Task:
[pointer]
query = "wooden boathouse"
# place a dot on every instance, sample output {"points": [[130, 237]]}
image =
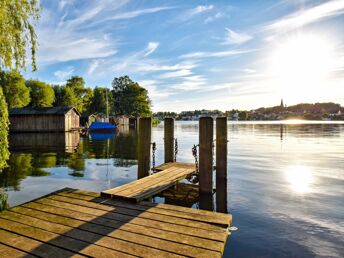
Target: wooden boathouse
{"points": [[55, 119]]}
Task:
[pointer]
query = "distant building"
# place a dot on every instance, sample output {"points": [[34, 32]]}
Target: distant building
{"points": [[55, 119], [282, 104]]}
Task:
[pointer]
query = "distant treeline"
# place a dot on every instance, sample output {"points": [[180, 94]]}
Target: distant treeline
{"points": [[315, 111], [125, 98]]}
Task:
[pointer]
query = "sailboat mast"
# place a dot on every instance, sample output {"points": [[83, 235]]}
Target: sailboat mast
{"points": [[107, 104]]}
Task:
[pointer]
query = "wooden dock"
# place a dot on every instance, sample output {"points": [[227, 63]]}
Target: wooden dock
{"points": [[170, 173], [75, 223]]}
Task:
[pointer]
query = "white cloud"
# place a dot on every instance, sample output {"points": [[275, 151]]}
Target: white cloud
{"points": [[235, 38], [191, 83], [193, 12], [93, 66], [64, 74], [215, 54], [152, 46], [178, 73], [214, 17], [133, 14], [62, 38], [311, 15]]}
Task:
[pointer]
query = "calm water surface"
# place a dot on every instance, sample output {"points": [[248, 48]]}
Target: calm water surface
{"points": [[285, 182]]}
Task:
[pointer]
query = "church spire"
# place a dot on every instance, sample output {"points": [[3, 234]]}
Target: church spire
{"points": [[282, 105]]}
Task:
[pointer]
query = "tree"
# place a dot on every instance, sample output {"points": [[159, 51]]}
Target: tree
{"points": [[17, 32], [16, 93], [4, 154], [98, 104], [78, 95], [42, 95], [16, 35], [129, 98]]}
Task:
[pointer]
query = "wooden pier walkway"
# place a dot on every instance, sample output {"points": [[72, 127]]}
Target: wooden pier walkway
{"points": [[75, 223], [170, 173]]}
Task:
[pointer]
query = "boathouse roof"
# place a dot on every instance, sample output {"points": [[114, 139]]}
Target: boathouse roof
{"points": [[41, 111]]}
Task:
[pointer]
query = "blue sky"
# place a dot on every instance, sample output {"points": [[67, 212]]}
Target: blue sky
{"points": [[198, 54]]}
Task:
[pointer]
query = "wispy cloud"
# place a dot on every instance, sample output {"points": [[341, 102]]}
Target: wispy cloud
{"points": [[152, 46], [179, 73], [215, 54], [71, 36], [187, 15], [218, 15], [94, 65], [235, 38], [311, 15], [64, 74]]}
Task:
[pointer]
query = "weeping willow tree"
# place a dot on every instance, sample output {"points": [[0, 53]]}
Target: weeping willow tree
{"points": [[17, 35]]}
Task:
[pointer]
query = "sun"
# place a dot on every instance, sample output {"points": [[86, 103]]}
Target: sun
{"points": [[301, 63]]}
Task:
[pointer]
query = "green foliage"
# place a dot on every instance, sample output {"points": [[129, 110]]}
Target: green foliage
{"points": [[129, 98], [4, 122], [98, 103], [3, 201], [42, 95], [16, 93], [155, 121], [17, 32], [73, 94]]}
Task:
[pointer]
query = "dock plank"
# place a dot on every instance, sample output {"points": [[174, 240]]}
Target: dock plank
{"points": [[93, 226], [196, 215], [148, 186], [75, 223]]}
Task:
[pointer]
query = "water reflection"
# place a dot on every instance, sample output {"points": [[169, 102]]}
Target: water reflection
{"points": [[43, 154], [300, 178]]}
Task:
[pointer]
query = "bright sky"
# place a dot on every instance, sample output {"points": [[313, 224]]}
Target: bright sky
{"points": [[199, 54]]}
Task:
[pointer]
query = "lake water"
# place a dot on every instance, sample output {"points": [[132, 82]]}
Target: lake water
{"points": [[285, 181]]}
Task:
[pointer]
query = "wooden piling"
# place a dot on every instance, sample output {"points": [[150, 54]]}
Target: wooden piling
{"points": [[144, 146], [206, 130], [169, 139], [221, 164]]}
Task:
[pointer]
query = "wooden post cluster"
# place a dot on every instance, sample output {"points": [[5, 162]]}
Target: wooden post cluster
{"points": [[221, 164], [144, 146], [169, 139], [206, 130]]}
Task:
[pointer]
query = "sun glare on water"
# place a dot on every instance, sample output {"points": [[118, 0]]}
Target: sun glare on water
{"points": [[301, 65], [300, 178]]}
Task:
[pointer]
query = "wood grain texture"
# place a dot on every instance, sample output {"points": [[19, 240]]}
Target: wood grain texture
{"points": [[76, 223]]}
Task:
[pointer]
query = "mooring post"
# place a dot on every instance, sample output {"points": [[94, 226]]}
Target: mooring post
{"points": [[221, 164], [169, 139], [206, 130], [144, 146]]}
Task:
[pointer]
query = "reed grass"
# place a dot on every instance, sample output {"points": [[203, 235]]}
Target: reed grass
{"points": [[3, 201]]}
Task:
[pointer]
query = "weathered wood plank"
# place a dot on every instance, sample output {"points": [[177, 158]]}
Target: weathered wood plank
{"points": [[146, 187], [209, 217], [225, 218], [65, 242], [115, 243], [175, 164], [122, 213], [34, 247], [109, 192], [117, 240], [121, 220], [6, 251], [99, 227]]}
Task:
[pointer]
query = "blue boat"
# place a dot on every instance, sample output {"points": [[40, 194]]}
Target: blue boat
{"points": [[102, 127]]}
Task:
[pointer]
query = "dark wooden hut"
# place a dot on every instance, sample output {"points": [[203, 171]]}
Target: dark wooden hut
{"points": [[55, 119]]}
